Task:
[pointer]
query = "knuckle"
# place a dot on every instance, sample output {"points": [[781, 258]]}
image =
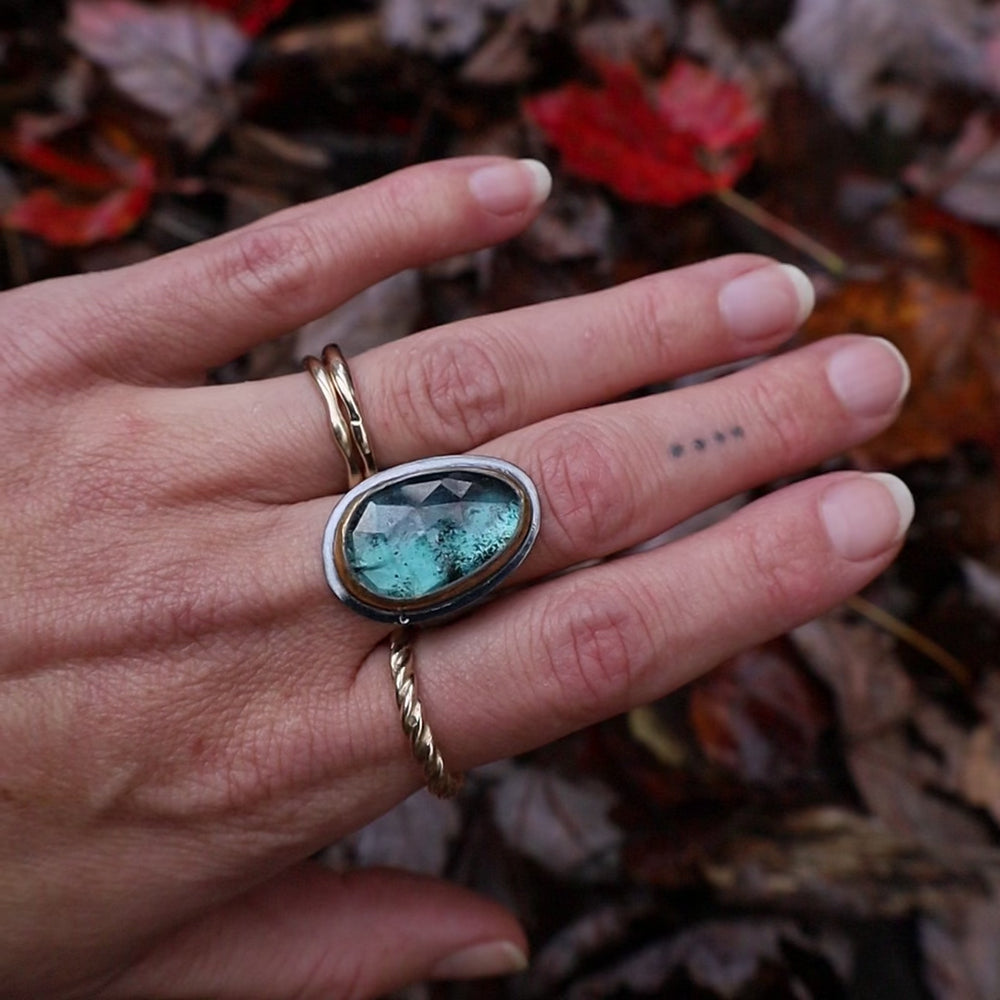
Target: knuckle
{"points": [[781, 408], [647, 315], [585, 486], [270, 265], [462, 385], [398, 211], [594, 644], [782, 566]]}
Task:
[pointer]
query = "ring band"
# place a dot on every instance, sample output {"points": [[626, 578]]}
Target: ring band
{"points": [[440, 781], [333, 378]]}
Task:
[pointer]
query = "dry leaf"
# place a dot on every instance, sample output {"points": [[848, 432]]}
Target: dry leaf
{"points": [[952, 345], [882, 57], [561, 824], [174, 59], [759, 715]]}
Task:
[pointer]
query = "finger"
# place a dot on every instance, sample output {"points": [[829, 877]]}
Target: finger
{"points": [[452, 389], [617, 475], [314, 933], [173, 317], [563, 654]]}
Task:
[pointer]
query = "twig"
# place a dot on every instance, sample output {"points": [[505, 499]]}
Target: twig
{"points": [[785, 231], [951, 665]]}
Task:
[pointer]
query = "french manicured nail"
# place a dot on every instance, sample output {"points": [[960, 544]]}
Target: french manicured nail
{"points": [[866, 515], [494, 958], [870, 377], [511, 187], [762, 303]]}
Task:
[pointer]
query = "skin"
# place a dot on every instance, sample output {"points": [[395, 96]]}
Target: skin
{"points": [[186, 713]]}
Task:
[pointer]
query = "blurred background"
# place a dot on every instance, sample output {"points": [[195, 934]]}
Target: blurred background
{"points": [[819, 817]]}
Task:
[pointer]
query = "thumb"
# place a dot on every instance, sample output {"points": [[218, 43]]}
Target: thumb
{"points": [[315, 933]]}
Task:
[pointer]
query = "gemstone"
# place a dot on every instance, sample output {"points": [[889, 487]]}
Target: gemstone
{"points": [[409, 539]]}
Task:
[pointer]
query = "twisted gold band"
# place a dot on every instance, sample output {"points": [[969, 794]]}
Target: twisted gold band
{"points": [[333, 378], [439, 781]]}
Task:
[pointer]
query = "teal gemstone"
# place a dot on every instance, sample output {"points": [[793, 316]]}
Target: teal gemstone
{"points": [[409, 539]]}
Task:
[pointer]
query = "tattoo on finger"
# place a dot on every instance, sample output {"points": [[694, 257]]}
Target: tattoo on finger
{"points": [[699, 444]]}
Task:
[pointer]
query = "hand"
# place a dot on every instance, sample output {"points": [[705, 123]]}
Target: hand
{"points": [[187, 713]]}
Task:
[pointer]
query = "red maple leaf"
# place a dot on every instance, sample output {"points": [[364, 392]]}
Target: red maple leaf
{"points": [[253, 16], [690, 134], [64, 216]]}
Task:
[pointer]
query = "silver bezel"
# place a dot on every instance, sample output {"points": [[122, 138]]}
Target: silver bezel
{"points": [[459, 597]]}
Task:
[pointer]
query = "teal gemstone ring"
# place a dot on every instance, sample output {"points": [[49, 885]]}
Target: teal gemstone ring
{"points": [[427, 540], [417, 543]]}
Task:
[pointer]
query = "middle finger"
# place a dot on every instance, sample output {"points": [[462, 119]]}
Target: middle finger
{"points": [[453, 389]]}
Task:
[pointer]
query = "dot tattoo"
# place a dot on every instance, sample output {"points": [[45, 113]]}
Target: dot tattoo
{"points": [[699, 444]]}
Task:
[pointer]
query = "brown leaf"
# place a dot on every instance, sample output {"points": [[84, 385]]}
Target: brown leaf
{"points": [[727, 959], [759, 715], [961, 958], [829, 861], [872, 690], [952, 344], [561, 824]]}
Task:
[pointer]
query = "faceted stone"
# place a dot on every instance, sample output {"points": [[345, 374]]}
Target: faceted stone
{"points": [[409, 539]]}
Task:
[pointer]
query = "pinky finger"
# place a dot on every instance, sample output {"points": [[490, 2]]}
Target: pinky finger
{"points": [[583, 647]]}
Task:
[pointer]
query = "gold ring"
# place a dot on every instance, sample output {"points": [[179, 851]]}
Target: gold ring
{"points": [[417, 543], [333, 379]]}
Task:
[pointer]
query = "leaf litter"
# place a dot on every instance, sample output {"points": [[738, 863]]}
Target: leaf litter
{"points": [[820, 817]]}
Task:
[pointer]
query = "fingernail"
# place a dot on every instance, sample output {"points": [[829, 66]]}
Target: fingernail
{"points": [[866, 515], [511, 187], [870, 377], [494, 958], [765, 302]]}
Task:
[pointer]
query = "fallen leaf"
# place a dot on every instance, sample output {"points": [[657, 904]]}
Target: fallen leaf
{"points": [[46, 214], [959, 947], [691, 134], [415, 836], [759, 715], [979, 245], [176, 60], [563, 825], [952, 344], [727, 959], [63, 218], [883, 57], [871, 688], [831, 862], [575, 945], [439, 27], [253, 16]]}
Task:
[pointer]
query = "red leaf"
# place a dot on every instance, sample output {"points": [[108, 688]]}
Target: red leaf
{"points": [[48, 214], [253, 16], [694, 136], [47, 160]]}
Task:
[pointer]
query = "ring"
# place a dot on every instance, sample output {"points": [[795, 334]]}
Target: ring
{"points": [[418, 543]]}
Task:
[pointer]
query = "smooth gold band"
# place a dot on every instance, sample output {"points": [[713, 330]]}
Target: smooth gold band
{"points": [[333, 378]]}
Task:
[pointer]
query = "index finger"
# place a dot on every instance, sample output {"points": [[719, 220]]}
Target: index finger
{"points": [[171, 318]]}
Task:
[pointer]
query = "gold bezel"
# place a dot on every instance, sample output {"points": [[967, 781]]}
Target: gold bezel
{"points": [[453, 593]]}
